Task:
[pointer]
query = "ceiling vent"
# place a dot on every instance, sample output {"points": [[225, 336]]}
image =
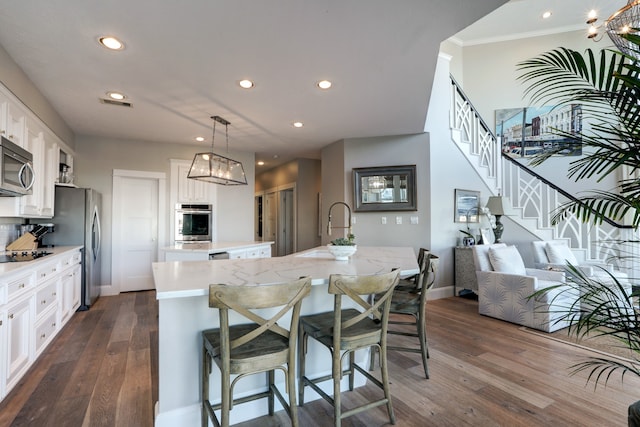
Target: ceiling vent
{"points": [[117, 103]]}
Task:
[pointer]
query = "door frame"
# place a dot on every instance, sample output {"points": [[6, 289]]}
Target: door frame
{"points": [[161, 179]]}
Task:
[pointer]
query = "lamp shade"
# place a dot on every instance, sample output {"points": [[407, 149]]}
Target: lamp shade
{"points": [[212, 167], [499, 205]]}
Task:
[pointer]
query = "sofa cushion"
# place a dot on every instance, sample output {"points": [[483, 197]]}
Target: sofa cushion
{"points": [[559, 253], [507, 259]]}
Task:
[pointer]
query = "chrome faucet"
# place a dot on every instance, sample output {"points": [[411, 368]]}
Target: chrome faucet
{"points": [[329, 224]]}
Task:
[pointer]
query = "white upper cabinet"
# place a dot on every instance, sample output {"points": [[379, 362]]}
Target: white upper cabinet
{"points": [[24, 128], [189, 190]]}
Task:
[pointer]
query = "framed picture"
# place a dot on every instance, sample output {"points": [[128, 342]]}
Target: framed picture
{"points": [[486, 233], [466, 205], [387, 188], [554, 129]]}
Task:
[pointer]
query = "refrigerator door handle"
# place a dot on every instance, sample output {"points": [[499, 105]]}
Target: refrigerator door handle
{"points": [[96, 234]]}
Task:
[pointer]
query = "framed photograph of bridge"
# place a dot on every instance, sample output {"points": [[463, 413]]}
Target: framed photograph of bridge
{"points": [[528, 131]]}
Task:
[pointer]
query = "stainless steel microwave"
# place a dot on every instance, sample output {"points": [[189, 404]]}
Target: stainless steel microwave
{"points": [[193, 222], [16, 169]]}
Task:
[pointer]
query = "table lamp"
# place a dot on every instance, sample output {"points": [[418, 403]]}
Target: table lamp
{"points": [[498, 206]]}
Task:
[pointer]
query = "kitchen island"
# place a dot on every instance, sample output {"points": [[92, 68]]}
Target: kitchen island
{"points": [[182, 290]]}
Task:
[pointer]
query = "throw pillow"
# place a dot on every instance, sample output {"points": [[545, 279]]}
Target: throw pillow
{"points": [[559, 253], [507, 259]]}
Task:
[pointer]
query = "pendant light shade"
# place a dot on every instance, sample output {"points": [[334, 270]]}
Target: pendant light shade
{"points": [[212, 167]]}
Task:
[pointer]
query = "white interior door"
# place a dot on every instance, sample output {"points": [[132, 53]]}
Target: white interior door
{"points": [[137, 208]]}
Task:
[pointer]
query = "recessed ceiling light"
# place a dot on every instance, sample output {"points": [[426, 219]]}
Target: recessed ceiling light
{"points": [[111, 42], [324, 84], [246, 84], [298, 124], [116, 95], [546, 14], [199, 138], [260, 163]]}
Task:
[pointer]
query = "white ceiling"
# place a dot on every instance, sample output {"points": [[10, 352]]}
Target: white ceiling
{"points": [[183, 60]]}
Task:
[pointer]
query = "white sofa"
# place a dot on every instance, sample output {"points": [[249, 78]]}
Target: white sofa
{"points": [[505, 287], [557, 254]]}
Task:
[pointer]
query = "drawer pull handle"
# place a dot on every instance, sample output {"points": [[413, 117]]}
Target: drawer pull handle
{"points": [[21, 285], [43, 336], [11, 316], [44, 301], [53, 294]]}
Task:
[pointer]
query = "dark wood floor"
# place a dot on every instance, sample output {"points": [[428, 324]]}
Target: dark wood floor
{"points": [[101, 370]]}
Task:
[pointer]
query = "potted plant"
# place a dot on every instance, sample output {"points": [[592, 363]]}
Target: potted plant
{"points": [[343, 247], [608, 88]]}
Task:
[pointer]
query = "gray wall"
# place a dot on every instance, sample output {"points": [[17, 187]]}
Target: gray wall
{"points": [[17, 81], [305, 174]]}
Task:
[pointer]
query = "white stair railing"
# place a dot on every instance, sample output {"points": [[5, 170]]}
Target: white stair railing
{"points": [[533, 197]]}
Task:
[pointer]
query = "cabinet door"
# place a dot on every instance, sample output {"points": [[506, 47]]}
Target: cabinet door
{"points": [[30, 205], [19, 327], [190, 190], [15, 123], [3, 353], [51, 168], [70, 285]]}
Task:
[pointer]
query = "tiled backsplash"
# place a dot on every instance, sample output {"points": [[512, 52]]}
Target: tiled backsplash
{"points": [[8, 233]]}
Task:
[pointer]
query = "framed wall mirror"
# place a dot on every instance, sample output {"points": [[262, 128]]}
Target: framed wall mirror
{"points": [[387, 188]]}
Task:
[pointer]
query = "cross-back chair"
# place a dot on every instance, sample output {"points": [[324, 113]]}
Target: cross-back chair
{"points": [[256, 347], [412, 301], [345, 330]]}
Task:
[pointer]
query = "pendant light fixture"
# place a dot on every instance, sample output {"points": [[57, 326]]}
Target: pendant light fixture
{"points": [[212, 167]]}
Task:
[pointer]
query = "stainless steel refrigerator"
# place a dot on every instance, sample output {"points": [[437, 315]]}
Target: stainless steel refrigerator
{"points": [[77, 222]]}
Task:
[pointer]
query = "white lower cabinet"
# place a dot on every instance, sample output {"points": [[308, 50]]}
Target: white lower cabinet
{"points": [[19, 338], [34, 305]]}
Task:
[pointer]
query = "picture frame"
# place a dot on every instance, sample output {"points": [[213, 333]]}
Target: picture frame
{"points": [[386, 188], [464, 203]]}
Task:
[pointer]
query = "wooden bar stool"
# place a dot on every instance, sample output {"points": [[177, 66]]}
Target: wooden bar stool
{"points": [[343, 331], [410, 300], [260, 346]]}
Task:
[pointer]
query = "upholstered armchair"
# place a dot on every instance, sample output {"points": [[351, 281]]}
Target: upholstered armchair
{"points": [[505, 287]]}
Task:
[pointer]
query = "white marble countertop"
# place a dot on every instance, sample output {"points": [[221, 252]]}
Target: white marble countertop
{"points": [[211, 247], [179, 279], [12, 267]]}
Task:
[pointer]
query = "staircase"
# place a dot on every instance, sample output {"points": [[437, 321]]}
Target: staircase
{"points": [[533, 198]]}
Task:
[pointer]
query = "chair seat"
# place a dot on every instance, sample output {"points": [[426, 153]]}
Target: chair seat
{"points": [[319, 326], [405, 301], [266, 351]]}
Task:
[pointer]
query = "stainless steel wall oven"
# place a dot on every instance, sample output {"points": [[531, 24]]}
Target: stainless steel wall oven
{"points": [[193, 223]]}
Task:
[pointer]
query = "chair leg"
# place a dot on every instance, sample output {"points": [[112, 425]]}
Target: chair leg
{"points": [[372, 357], [336, 374], [225, 398], [270, 381], [352, 370], [291, 381], [385, 382], [424, 350], [205, 387], [302, 350]]}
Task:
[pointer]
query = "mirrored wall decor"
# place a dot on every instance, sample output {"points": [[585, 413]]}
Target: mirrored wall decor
{"points": [[387, 188]]}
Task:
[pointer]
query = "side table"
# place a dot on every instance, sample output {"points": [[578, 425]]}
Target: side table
{"points": [[466, 283]]}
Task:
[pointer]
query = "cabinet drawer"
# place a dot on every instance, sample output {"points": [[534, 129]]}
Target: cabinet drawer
{"points": [[46, 297], [253, 253], [45, 330], [265, 252], [47, 271], [70, 261], [237, 254], [20, 285]]}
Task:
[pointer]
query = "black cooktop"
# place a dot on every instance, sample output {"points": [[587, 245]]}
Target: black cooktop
{"points": [[20, 256]]}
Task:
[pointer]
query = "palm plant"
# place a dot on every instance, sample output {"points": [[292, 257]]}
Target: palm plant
{"points": [[607, 85]]}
